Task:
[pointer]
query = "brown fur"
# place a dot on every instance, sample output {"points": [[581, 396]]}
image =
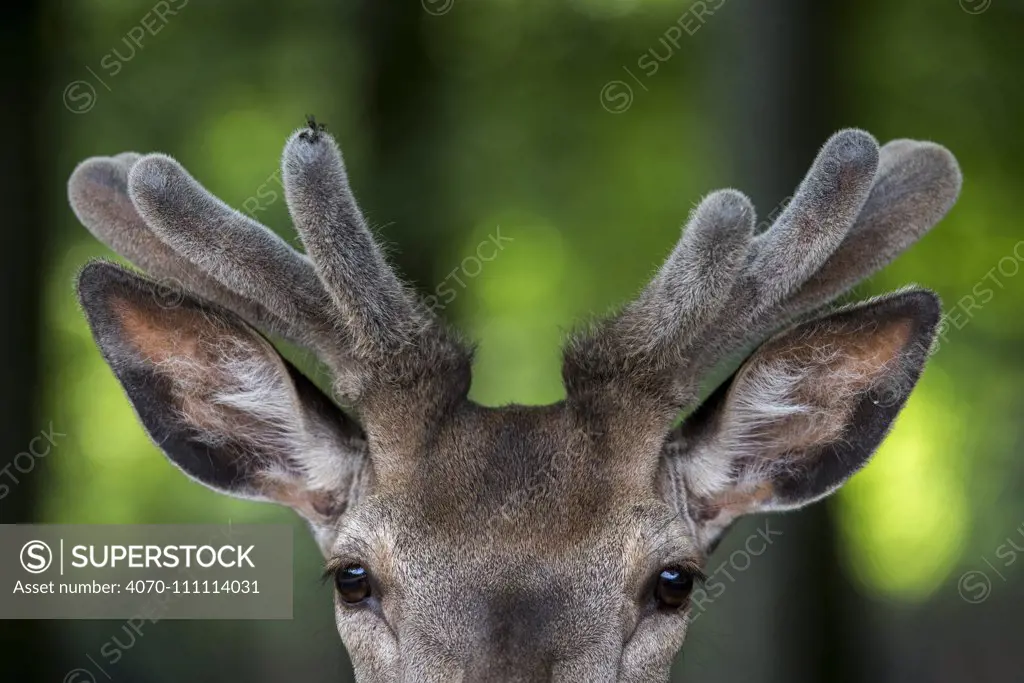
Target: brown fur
{"points": [[521, 543]]}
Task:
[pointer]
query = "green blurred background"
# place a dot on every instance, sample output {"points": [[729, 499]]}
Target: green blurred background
{"points": [[583, 130]]}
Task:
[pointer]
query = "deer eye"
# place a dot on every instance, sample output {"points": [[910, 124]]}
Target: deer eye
{"points": [[673, 587], [352, 583]]}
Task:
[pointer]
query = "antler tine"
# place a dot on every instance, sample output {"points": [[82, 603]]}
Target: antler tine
{"points": [[785, 257], [856, 210], [694, 283], [98, 193], [649, 337], [389, 328], [240, 254], [374, 304], [816, 221], [346, 303], [916, 185]]}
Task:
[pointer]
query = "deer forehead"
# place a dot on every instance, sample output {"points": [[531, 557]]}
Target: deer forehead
{"points": [[516, 467]]}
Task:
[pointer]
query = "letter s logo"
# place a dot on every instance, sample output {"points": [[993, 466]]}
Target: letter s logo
{"points": [[36, 557]]}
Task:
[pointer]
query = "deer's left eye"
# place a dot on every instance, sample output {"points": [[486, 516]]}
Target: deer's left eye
{"points": [[672, 587], [352, 583]]}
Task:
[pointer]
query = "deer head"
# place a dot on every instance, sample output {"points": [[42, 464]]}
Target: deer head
{"points": [[518, 543]]}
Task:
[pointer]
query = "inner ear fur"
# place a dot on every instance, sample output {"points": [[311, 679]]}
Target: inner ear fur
{"points": [[218, 399], [799, 390], [806, 411]]}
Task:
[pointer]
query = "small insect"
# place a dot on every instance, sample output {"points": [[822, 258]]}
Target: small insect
{"points": [[313, 134]]}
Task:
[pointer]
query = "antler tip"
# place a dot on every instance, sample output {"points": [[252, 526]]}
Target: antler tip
{"points": [[931, 166], [730, 202], [725, 211], [151, 175], [127, 159], [309, 146], [100, 170], [854, 147], [944, 163], [92, 187]]}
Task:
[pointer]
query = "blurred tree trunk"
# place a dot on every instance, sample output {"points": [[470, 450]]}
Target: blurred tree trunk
{"points": [[779, 64], [402, 100], [26, 643], [792, 109]]}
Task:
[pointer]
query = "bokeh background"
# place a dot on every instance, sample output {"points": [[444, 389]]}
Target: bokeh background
{"points": [[583, 130]]}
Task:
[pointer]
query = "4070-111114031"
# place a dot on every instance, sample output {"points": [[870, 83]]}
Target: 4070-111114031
{"points": [[194, 587]]}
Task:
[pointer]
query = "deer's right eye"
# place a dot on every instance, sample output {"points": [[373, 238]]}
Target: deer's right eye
{"points": [[673, 586], [352, 583]]}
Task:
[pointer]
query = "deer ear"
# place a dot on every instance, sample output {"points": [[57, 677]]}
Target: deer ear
{"points": [[803, 413], [217, 398]]}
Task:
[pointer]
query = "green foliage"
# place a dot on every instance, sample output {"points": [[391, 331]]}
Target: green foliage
{"points": [[514, 138]]}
